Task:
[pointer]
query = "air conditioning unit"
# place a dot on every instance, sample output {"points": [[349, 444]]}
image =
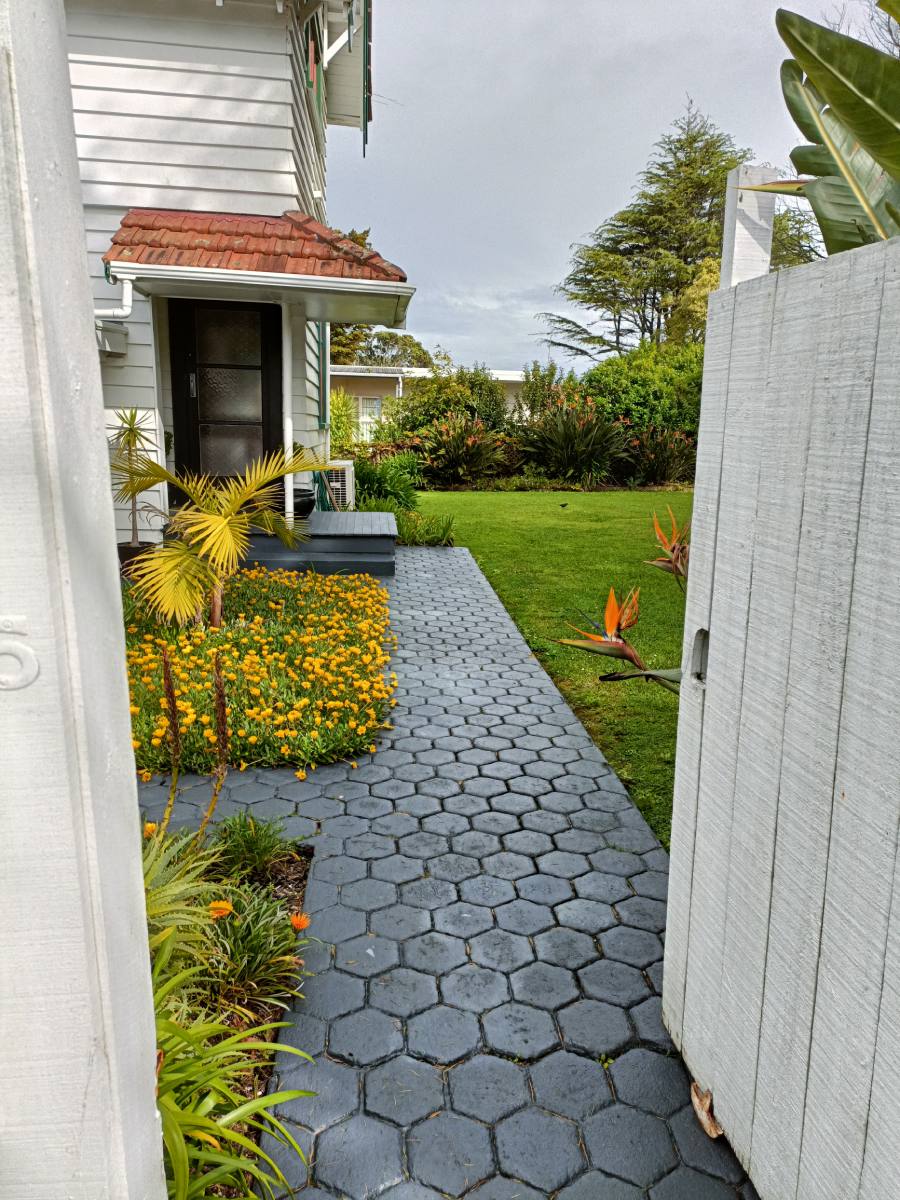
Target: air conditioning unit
{"points": [[342, 481]]}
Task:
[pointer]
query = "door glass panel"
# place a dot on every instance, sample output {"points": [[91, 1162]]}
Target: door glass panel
{"points": [[229, 394], [229, 336], [227, 449]]}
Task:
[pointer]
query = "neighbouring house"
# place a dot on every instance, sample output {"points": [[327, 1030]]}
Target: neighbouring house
{"points": [[372, 386], [201, 131]]}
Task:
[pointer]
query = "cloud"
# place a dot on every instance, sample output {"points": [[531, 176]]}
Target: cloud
{"points": [[505, 130]]}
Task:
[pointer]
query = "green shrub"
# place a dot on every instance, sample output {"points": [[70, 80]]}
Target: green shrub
{"points": [[469, 390], [343, 422], [460, 449], [651, 385], [542, 386], [576, 443], [408, 463], [662, 456], [414, 528], [249, 849], [385, 480], [252, 951], [528, 479], [208, 1123]]}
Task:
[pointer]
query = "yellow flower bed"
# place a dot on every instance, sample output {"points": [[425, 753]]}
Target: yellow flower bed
{"points": [[304, 659]]}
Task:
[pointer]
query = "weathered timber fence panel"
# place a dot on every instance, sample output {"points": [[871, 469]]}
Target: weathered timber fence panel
{"points": [[782, 973]]}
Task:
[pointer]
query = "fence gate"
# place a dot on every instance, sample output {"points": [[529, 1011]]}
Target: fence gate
{"points": [[782, 969]]}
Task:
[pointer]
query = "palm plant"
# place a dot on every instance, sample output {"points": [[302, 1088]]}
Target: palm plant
{"points": [[209, 535], [129, 442]]}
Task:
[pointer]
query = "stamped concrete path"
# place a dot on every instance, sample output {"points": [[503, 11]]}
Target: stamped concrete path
{"points": [[485, 1013]]}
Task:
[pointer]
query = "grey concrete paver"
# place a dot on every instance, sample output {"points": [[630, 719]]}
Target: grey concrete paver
{"points": [[484, 1017]]}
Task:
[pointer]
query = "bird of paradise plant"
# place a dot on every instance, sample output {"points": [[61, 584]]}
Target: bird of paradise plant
{"points": [[209, 535], [609, 639], [676, 549]]}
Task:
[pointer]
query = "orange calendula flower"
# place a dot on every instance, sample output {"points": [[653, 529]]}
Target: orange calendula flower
{"points": [[220, 908], [150, 827], [300, 920]]}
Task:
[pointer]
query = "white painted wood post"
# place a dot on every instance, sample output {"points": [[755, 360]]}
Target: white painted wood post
{"points": [[77, 1042], [749, 219]]}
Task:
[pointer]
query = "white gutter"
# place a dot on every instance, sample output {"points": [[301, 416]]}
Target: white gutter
{"points": [[124, 310], [217, 276], [287, 405]]}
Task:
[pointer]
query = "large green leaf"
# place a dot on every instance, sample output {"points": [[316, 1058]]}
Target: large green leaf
{"points": [[843, 223], [860, 83], [860, 211]]}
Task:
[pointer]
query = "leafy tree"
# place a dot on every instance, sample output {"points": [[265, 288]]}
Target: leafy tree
{"points": [[651, 385], [540, 387], [634, 269], [795, 237], [387, 347], [468, 391], [348, 339]]}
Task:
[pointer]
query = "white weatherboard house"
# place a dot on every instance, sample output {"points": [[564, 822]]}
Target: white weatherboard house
{"points": [[201, 131]]}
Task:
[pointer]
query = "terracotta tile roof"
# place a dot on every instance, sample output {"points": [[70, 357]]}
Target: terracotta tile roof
{"points": [[293, 243]]}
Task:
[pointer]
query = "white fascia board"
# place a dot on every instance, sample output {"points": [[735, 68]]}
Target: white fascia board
{"points": [[323, 297]]}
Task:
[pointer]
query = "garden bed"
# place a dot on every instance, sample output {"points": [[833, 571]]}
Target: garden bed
{"points": [[303, 660]]}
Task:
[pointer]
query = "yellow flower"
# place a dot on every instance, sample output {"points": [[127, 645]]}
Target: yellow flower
{"points": [[150, 827], [220, 908]]}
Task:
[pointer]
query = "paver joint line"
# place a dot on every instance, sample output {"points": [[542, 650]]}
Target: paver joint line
{"points": [[484, 1019]]}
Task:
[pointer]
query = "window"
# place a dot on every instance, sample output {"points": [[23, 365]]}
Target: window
{"points": [[369, 412]]}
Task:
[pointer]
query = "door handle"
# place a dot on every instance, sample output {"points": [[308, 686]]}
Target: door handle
{"points": [[192, 385]]}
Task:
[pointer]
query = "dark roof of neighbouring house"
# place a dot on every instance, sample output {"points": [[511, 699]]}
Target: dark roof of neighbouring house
{"points": [[293, 243]]}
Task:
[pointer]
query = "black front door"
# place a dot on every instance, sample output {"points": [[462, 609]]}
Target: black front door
{"points": [[226, 384]]}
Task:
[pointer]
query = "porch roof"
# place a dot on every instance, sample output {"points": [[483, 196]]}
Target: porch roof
{"points": [[233, 256]]}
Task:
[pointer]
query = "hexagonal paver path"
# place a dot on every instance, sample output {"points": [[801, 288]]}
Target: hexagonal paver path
{"points": [[484, 1015]]}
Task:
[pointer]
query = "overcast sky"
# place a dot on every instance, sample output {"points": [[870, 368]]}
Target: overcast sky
{"points": [[505, 130]]}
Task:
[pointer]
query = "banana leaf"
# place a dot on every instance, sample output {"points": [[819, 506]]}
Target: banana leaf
{"points": [[860, 83]]}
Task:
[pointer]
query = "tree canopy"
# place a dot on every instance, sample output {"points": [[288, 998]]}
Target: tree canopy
{"points": [[645, 273]]}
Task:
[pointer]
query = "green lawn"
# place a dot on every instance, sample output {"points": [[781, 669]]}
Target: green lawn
{"points": [[549, 554]]}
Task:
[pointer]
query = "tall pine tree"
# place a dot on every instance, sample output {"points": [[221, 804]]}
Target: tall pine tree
{"points": [[633, 272]]}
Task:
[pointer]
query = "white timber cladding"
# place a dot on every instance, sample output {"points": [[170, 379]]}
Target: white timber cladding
{"points": [[76, 1008], [189, 105], [782, 973]]}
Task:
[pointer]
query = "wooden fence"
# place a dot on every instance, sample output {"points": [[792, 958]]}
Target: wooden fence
{"points": [[782, 971]]}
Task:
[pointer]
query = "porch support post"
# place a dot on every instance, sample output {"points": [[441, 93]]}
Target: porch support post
{"points": [[77, 1055], [287, 403]]}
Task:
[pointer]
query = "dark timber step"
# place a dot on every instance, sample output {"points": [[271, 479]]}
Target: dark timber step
{"points": [[346, 542]]}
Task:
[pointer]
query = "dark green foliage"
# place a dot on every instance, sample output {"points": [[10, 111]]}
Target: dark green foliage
{"points": [[386, 480], [631, 273], [460, 449], [651, 385], [576, 442], [662, 456], [247, 848], [542, 385], [252, 951], [468, 390], [414, 528]]}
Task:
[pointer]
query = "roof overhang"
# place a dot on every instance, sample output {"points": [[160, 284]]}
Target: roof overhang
{"points": [[322, 297]]}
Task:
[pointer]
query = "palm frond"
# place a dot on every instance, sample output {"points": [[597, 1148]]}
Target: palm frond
{"points": [[222, 538], [173, 580], [273, 523]]}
